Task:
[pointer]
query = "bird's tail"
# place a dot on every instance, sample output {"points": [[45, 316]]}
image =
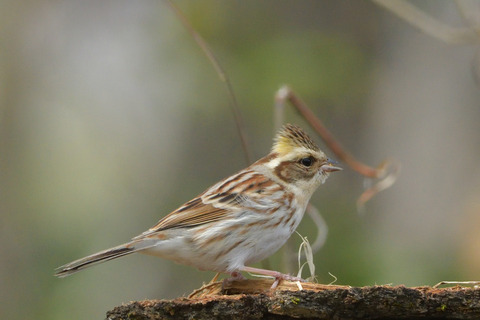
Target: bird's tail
{"points": [[102, 256]]}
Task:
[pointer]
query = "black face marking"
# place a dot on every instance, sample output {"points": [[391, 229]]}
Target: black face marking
{"points": [[304, 168]]}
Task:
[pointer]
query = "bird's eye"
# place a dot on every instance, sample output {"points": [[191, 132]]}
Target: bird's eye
{"points": [[307, 162]]}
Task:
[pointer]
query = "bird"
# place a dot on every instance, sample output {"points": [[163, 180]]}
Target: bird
{"points": [[238, 221]]}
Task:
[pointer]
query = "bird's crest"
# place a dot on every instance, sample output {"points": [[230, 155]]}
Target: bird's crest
{"points": [[290, 137]]}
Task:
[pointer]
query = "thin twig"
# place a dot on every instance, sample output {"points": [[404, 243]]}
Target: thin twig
{"points": [[321, 225], [391, 166], [428, 24], [388, 171], [470, 11], [223, 77], [331, 142], [469, 283]]}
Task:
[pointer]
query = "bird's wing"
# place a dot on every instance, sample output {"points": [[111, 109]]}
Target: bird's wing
{"points": [[247, 190]]}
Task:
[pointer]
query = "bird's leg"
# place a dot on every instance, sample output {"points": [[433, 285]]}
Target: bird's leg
{"points": [[235, 276], [277, 275]]}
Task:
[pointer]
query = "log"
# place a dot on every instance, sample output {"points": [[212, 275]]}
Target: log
{"points": [[253, 299]]}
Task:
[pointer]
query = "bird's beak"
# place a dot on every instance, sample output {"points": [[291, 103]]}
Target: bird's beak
{"points": [[330, 166]]}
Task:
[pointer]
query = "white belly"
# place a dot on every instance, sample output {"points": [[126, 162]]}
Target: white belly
{"points": [[229, 245]]}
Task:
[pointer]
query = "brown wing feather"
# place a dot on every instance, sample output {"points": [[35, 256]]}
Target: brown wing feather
{"points": [[191, 216], [245, 190], [192, 213]]}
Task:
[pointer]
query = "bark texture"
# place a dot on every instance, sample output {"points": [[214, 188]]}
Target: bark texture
{"points": [[252, 299]]}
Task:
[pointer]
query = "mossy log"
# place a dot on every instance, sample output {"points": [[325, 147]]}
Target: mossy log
{"points": [[252, 299]]}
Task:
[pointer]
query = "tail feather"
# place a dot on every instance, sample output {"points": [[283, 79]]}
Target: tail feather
{"points": [[99, 257]]}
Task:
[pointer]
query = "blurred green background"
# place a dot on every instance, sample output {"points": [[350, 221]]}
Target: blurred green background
{"points": [[111, 117]]}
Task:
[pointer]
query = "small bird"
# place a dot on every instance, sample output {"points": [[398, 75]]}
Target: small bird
{"points": [[240, 220]]}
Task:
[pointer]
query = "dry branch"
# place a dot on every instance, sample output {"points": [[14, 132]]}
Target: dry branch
{"points": [[251, 299]]}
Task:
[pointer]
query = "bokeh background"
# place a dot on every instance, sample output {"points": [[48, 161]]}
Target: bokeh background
{"points": [[111, 117]]}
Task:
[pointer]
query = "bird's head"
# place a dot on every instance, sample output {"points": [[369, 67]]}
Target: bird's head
{"points": [[297, 161]]}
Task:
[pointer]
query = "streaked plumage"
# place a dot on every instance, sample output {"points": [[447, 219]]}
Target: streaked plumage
{"points": [[241, 219]]}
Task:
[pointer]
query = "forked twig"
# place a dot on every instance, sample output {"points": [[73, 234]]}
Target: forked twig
{"points": [[382, 184], [223, 77], [387, 171], [286, 94]]}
